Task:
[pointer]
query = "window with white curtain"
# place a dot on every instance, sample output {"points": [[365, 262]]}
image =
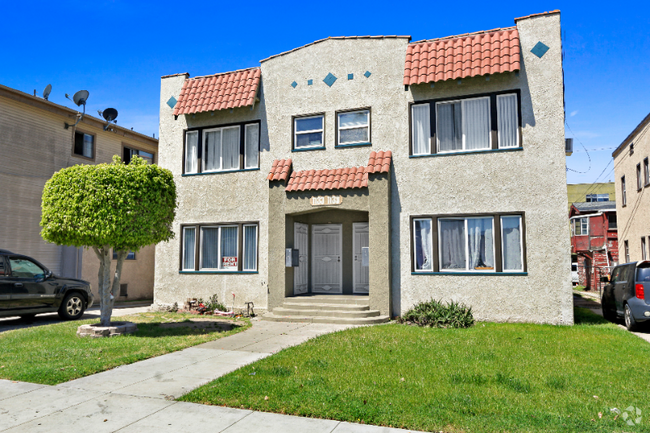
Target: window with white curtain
{"points": [[192, 152], [308, 132], [468, 243], [466, 124], [252, 146], [221, 149], [219, 247], [353, 127]]}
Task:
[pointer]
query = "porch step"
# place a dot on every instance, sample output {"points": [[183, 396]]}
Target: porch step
{"points": [[330, 299], [323, 306], [333, 320], [325, 312]]}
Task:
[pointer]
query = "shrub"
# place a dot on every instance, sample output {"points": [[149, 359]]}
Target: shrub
{"points": [[213, 304], [435, 314]]}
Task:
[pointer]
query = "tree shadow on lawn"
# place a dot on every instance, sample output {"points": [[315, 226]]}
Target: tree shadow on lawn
{"points": [[187, 327], [584, 316]]}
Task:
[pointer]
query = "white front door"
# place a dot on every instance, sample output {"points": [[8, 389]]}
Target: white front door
{"points": [[301, 273], [360, 273], [326, 269]]}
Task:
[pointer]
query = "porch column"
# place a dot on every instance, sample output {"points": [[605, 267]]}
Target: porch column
{"points": [[380, 248], [277, 242]]}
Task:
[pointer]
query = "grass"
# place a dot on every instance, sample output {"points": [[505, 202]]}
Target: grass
{"points": [[54, 354], [493, 377]]}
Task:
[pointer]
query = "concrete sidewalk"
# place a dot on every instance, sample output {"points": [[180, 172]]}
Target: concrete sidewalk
{"points": [[140, 397]]}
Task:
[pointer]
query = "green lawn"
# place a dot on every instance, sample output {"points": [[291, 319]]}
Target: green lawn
{"points": [[488, 378], [54, 354]]}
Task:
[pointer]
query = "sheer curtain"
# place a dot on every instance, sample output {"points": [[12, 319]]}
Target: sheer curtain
{"points": [[421, 129], [191, 152], [423, 252], [230, 148], [481, 243], [210, 248], [250, 248], [452, 244], [508, 120], [189, 243], [252, 146], [212, 150], [228, 247], [88, 146], [512, 258], [449, 126], [476, 123]]}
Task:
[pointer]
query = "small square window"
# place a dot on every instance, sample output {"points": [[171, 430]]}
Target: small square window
{"points": [[353, 127], [129, 153], [308, 132], [84, 145], [130, 256]]}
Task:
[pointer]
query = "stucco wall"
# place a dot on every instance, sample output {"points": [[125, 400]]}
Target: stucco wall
{"points": [[632, 220]]}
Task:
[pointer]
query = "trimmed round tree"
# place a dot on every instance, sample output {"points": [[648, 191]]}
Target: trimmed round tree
{"points": [[119, 207]]}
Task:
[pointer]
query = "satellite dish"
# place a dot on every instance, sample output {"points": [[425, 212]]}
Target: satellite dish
{"points": [[80, 97], [110, 114], [46, 92]]}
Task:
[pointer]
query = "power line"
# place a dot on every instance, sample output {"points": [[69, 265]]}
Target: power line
{"points": [[583, 146]]}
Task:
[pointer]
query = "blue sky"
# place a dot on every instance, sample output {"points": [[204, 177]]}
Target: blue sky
{"points": [[118, 50]]}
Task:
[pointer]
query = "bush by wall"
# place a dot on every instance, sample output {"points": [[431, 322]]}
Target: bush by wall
{"points": [[436, 314]]}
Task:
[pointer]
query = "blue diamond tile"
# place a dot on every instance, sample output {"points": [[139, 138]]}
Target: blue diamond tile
{"points": [[330, 79], [172, 102], [310, 82], [539, 49], [294, 84], [367, 74], [350, 76]]}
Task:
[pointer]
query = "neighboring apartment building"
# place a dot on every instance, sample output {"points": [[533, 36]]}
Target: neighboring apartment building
{"points": [[632, 182], [376, 168], [34, 144], [591, 192], [594, 240]]}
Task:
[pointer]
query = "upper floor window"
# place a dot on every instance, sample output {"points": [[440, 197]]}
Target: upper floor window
{"points": [[639, 180], [353, 128], [128, 153], [220, 149], [84, 145], [580, 226], [596, 197], [623, 196], [646, 172], [308, 132], [465, 125], [612, 221]]}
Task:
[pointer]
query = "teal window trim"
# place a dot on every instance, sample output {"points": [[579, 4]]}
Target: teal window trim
{"points": [[218, 272], [221, 172], [354, 145], [465, 274], [429, 155], [305, 149]]}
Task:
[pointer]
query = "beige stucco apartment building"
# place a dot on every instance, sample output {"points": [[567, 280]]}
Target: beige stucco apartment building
{"points": [[633, 205], [373, 173], [34, 144]]}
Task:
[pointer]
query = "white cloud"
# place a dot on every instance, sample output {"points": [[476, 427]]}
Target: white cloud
{"points": [[573, 113]]}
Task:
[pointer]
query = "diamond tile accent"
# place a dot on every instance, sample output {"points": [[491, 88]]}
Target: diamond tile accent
{"points": [[172, 102], [350, 76], [294, 84], [367, 74], [330, 79], [539, 49], [310, 82]]}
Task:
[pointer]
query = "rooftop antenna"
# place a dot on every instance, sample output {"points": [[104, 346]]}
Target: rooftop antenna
{"points": [[110, 114], [46, 92], [79, 99]]}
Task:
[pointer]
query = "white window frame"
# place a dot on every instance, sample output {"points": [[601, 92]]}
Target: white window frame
{"points": [[521, 243], [516, 120], [296, 133], [219, 256], [187, 148], [257, 240], [462, 105], [203, 144], [185, 251], [344, 128], [415, 269], [428, 151], [494, 268], [579, 222], [256, 145]]}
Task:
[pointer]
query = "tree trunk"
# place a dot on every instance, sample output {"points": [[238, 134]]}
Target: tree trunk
{"points": [[105, 296], [121, 256]]}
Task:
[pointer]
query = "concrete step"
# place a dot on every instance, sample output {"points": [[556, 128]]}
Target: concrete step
{"points": [[283, 311], [333, 320], [329, 299], [315, 306]]}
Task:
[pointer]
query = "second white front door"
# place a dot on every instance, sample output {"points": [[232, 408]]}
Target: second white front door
{"points": [[301, 273], [326, 258], [361, 275]]}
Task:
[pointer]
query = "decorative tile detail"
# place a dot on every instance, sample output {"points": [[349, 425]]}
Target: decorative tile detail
{"points": [[539, 49], [367, 74], [310, 82], [330, 79], [294, 84], [172, 102], [350, 76]]}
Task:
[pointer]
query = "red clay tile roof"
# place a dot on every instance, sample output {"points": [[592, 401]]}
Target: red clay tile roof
{"points": [[219, 91], [379, 162], [280, 169], [462, 56]]}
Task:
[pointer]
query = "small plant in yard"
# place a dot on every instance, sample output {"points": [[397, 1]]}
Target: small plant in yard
{"points": [[439, 315], [210, 306]]}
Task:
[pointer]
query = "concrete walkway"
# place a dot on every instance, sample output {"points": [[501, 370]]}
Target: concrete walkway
{"points": [[140, 397]]}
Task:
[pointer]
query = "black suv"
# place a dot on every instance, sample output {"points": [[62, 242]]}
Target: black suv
{"points": [[28, 288], [627, 294]]}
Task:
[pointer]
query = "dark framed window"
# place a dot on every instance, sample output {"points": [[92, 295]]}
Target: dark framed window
{"points": [[130, 256], [590, 198], [466, 124], [353, 127], [646, 172], [219, 247], [129, 152], [627, 251], [643, 250], [623, 195], [639, 180], [84, 145], [222, 148], [612, 221], [493, 243], [308, 132]]}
